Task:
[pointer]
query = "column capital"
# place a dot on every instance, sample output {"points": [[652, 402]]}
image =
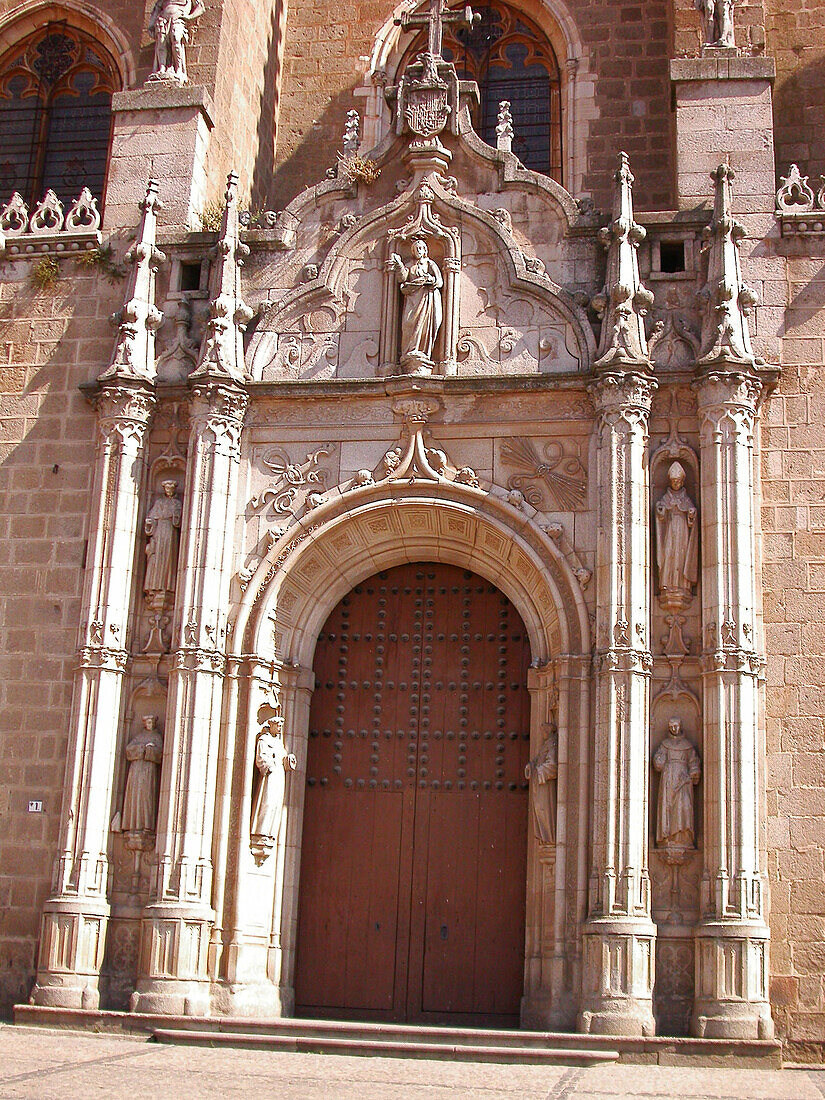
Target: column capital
{"points": [[124, 409], [623, 392]]}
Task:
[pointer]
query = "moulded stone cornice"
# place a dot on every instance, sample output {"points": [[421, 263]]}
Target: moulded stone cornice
{"points": [[222, 351], [624, 302], [728, 300], [139, 319]]}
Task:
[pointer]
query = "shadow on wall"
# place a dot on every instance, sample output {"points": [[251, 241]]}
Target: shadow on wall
{"points": [[798, 104], [264, 167], [316, 152]]}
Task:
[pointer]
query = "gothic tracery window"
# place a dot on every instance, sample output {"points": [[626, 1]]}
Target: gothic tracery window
{"points": [[55, 114], [511, 59]]}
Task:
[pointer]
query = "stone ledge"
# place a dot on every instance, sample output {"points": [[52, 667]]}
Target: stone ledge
{"points": [[687, 69], [165, 97]]}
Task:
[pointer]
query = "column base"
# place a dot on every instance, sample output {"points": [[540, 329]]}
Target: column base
{"points": [[732, 982], [253, 999], [174, 978], [72, 942], [617, 978]]}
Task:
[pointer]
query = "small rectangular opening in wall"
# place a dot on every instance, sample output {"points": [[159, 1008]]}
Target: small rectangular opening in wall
{"points": [[671, 256], [190, 277]]}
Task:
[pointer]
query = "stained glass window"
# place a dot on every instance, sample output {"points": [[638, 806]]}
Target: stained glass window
{"points": [[511, 59], [55, 115]]}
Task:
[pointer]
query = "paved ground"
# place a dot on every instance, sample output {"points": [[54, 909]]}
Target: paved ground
{"points": [[35, 1063]]}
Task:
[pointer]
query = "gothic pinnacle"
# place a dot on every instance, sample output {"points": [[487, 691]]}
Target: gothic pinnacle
{"points": [[134, 353], [624, 301], [726, 298], [222, 352]]}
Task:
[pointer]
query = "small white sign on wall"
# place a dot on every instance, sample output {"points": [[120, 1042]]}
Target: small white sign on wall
{"points": [[35, 806]]}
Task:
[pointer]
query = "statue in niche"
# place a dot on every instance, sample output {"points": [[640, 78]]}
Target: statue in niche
{"points": [[677, 761], [717, 22], [677, 541], [544, 769], [140, 799], [273, 762], [420, 285], [163, 527], [169, 26]]}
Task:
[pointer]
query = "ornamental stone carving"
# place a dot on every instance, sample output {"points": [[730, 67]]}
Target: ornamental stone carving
{"points": [[677, 542], [717, 22], [543, 771], [273, 761], [163, 528], [677, 762], [169, 25], [423, 311], [140, 800]]}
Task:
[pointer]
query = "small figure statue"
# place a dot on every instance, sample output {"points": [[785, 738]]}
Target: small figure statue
{"points": [[169, 26], [678, 763], [421, 285], [717, 22], [273, 762], [140, 799], [162, 526], [677, 541], [544, 768]]}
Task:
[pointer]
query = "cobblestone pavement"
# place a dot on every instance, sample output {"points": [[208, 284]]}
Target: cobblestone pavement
{"points": [[41, 1064]]}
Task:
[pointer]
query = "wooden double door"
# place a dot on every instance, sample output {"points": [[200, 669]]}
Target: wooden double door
{"points": [[413, 864]]}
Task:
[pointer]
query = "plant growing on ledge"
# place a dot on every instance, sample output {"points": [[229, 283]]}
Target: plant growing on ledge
{"points": [[358, 169], [45, 274], [103, 260]]}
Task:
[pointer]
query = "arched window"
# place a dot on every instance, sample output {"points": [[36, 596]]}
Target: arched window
{"points": [[55, 115], [510, 58]]}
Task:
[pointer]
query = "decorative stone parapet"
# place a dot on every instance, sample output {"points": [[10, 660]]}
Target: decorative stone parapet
{"points": [[800, 209], [49, 229]]}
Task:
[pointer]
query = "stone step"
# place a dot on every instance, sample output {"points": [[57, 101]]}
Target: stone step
{"points": [[377, 1045], [650, 1050]]}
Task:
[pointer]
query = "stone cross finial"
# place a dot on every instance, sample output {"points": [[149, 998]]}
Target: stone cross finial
{"points": [[504, 127], [624, 300], [434, 19], [139, 319], [222, 351]]}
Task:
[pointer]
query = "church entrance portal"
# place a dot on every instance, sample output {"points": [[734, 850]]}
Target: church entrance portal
{"points": [[412, 893]]}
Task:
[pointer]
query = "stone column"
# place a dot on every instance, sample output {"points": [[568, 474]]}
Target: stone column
{"points": [[75, 917], [619, 937], [177, 924], [732, 937], [178, 921]]}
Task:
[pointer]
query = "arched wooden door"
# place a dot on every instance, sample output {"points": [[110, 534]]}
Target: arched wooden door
{"points": [[413, 861]]}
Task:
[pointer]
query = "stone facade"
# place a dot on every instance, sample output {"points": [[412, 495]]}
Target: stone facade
{"points": [[519, 411]]}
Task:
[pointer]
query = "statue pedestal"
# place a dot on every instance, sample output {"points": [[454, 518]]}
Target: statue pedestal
{"points": [[161, 130], [723, 108]]}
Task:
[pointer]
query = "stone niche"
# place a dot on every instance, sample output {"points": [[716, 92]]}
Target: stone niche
{"points": [[337, 305]]}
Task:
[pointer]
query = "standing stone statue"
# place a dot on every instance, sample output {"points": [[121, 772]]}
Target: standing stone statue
{"points": [[273, 762], [163, 527], [544, 769], [169, 26], [677, 540], [717, 22], [678, 763], [421, 285], [140, 800]]}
